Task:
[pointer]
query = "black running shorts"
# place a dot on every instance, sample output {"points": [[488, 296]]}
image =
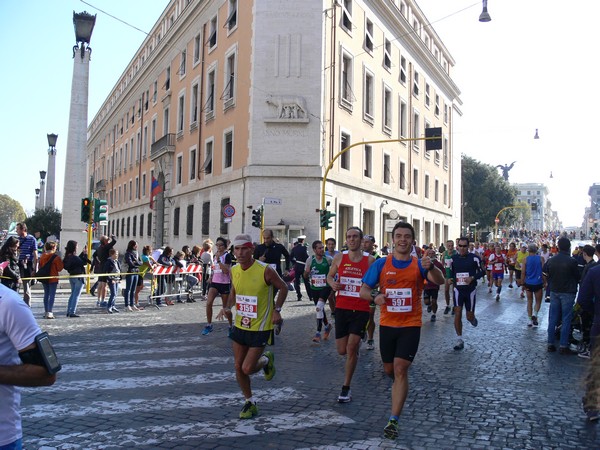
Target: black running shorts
{"points": [[402, 342], [349, 321]]}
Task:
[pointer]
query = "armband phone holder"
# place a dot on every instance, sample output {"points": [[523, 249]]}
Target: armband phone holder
{"points": [[42, 355]]}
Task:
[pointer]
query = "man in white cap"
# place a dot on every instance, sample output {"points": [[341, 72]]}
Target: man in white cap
{"points": [[256, 314]]}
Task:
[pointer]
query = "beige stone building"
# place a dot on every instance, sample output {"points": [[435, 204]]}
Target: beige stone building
{"points": [[243, 103]]}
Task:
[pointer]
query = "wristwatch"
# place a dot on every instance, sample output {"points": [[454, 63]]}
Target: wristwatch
{"points": [[278, 308], [374, 293]]}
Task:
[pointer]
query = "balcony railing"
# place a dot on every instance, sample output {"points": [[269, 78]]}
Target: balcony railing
{"points": [[165, 144], [101, 185]]}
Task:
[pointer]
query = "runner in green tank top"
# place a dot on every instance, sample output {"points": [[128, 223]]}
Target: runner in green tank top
{"points": [[316, 270]]}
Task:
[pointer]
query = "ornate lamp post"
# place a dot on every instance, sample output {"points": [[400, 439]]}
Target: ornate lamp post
{"points": [[75, 186], [50, 183], [42, 203], [37, 199]]}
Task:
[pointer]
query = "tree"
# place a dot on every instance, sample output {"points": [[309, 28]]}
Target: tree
{"points": [[10, 211], [46, 221], [485, 192]]}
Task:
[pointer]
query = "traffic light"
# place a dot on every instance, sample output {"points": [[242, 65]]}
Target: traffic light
{"points": [[325, 218], [257, 216], [86, 210], [534, 206], [100, 210]]}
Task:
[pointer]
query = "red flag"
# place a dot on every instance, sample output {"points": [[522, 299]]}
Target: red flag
{"points": [[154, 191]]}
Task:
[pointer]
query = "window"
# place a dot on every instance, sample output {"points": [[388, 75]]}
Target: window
{"points": [[228, 96], [427, 95], [178, 168], [189, 224], [128, 226], [416, 129], [212, 36], [117, 229], [145, 143], [208, 151], [210, 94], [445, 194], [168, 79], [386, 169], [436, 190], [403, 176], [403, 70], [347, 15], [347, 74], [445, 113], [368, 162], [193, 164], [180, 114], [227, 149], [197, 42], [176, 221], [445, 149], [130, 189], [231, 21], [155, 93], [416, 84], [345, 157], [141, 225], [143, 187], [125, 157], [369, 41], [137, 187], [224, 226], [205, 218], [166, 121], [436, 110], [426, 186], [153, 131], [149, 233], [387, 54], [134, 226], [403, 119], [194, 106], [182, 63], [416, 181], [368, 90], [387, 110]]}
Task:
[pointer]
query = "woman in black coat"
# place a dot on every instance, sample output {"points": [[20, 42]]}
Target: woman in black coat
{"points": [[9, 253]]}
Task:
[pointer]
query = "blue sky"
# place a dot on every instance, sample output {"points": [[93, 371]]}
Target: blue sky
{"points": [[532, 66]]}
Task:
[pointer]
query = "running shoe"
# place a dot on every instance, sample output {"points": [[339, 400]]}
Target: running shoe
{"points": [[522, 294], [428, 308], [489, 290], [510, 286], [551, 347], [249, 410], [269, 368], [584, 354], [370, 344], [530, 322], [446, 310], [534, 321], [345, 396], [593, 415], [497, 297], [459, 345], [207, 330], [317, 338], [114, 309], [474, 322], [391, 429], [433, 318], [547, 299], [130, 309], [327, 332]]}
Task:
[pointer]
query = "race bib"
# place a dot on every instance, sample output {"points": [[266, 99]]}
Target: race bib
{"points": [[398, 300], [318, 280], [489, 267], [498, 266], [461, 278], [448, 263], [351, 286], [247, 306]]}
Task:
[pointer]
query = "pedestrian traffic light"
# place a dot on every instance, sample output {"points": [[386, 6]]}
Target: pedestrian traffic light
{"points": [[257, 217], [325, 218], [86, 210], [100, 210], [534, 206]]}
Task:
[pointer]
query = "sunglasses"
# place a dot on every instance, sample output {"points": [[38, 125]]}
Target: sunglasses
{"points": [[459, 245]]}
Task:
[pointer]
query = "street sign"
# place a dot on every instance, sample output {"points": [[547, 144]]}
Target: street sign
{"points": [[389, 225], [228, 211], [227, 220], [271, 201]]}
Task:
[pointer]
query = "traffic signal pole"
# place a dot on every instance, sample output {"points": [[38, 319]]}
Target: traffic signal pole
{"points": [[497, 219], [341, 152]]}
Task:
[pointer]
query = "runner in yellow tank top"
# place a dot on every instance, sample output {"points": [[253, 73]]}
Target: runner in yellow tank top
{"points": [[252, 294]]}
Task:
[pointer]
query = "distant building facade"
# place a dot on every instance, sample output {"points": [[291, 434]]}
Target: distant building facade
{"points": [[239, 103]]}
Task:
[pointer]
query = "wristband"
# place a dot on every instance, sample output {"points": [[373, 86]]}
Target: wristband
{"points": [[226, 309]]}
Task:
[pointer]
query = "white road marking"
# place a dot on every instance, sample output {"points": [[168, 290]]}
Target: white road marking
{"points": [[146, 364]]}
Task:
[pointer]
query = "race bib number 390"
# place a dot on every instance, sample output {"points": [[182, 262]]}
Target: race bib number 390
{"points": [[247, 306], [351, 286], [398, 300]]}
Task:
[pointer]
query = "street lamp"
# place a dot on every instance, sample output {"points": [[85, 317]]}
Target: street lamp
{"points": [[37, 199], [51, 170], [42, 203], [484, 16], [76, 171]]}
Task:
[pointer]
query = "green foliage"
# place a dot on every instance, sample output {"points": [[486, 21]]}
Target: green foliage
{"points": [[46, 221], [10, 211], [485, 192]]}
